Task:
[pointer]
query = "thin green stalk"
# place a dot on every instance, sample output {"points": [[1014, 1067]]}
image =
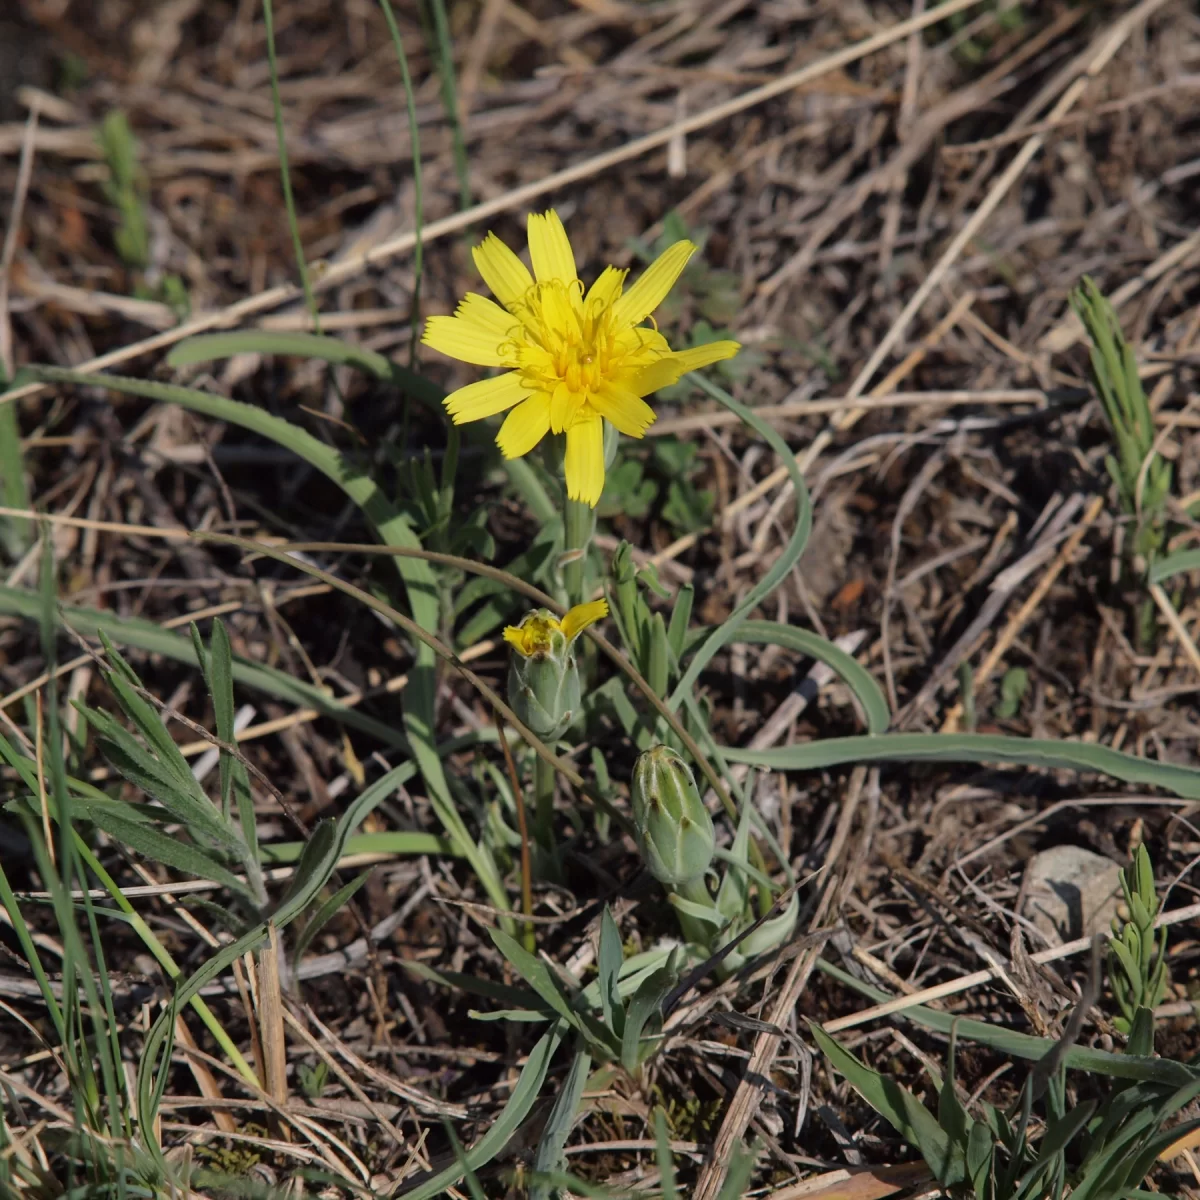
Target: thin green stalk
{"points": [[414, 137], [544, 780], [445, 57], [289, 201], [16, 533], [579, 525]]}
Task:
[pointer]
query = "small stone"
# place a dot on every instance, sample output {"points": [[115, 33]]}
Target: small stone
{"points": [[1071, 893]]}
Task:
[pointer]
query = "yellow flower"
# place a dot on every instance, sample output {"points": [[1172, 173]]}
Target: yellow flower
{"points": [[543, 678], [535, 635], [573, 359]]}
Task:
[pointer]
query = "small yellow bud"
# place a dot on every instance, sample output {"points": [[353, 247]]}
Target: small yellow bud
{"points": [[543, 678]]}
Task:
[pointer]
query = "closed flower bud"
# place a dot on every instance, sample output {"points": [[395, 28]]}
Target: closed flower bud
{"points": [[543, 679], [673, 828]]}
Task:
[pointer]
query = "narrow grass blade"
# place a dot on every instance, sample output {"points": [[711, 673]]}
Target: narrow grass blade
{"points": [[666, 1160], [401, 842], [522, 1100], [289, 200], [1173, 564], [1024, 1045], [974, 748], [414, 138], [899, 1107], [549, 1158], [235, 782], [445, 67], [16, 533]]}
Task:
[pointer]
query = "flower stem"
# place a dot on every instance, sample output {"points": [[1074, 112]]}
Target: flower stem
{"points": [[544, 780], [696, 931], [579, 522]]}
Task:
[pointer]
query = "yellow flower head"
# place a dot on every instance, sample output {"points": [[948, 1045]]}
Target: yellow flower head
{"points": [[534, 637], [573, 359]]}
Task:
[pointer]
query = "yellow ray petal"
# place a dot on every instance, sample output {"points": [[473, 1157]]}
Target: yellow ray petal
{"points": [[564, 404], [486, 398], [550, 249], [525, 426], [703, 356], [532, 636], [583, 615], [653, 376], [641, 345], [625, 409], [557, 308], [502, 271], [465, 340], [655, 282], [584, 463], [606, 291], [487, 314]]}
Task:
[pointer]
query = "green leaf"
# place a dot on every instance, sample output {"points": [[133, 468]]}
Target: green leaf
{"points": [[974, 748], [157, 846], [1023, 1045], [502, 1128], [209, 346], [981, 1150], [681, 615], [184, 803], [734, 892], [549, 1158], [1061, 1133], [608, 961], [902, 1110], [1171, 565], [235, 782], [328, 910], [646, 1008], [952, 1117], [666, 1160], [475, 985], [396, 842], [539, 977], [317, 863]]}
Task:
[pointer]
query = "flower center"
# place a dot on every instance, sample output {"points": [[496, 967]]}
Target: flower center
{"points": [[575, 339], [533, 636]]}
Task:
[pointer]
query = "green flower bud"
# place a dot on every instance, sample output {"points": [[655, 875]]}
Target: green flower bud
{"points": [[673, 828], [543, 679]]}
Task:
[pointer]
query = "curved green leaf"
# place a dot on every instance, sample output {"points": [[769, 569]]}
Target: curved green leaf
{"points": [[855, 676], [1174, 564], [533, 1075], [974, 748], [208, 346], [1025, 1045]]}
